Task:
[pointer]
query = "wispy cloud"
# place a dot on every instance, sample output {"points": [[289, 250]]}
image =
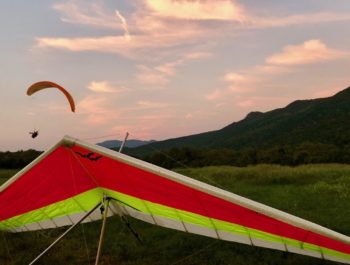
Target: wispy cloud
{"points": [[158, 24], [160, 74], [124, 24], [255, 21], [311, 51], [233, 77], [90, 14], [235, 84], [216, 94], [151, 76], [248, 103], [96, 111], [247, 81], [151, 104], [197, 9], [104, 87], [138, 45]]}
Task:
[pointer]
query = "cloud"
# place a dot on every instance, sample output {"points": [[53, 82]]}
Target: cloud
{"points": [[300, 19], [196, 9], [89, 14], [134, 47], [124, 24], [311, 51], [246, 103], [236, 83], [151, 105], [151, 76], [104, 87], [150, 33], [96, 110], [216, 94], [160, 74], [271, 69], [233, 77], [247, 81], [165, 24]]}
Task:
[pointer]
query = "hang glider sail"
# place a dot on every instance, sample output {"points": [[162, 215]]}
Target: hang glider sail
{"points": [[71, 178], [47, 84]]}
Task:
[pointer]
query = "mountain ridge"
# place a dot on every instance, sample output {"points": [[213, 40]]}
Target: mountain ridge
{"points": [[132, 143], [321, 120]]}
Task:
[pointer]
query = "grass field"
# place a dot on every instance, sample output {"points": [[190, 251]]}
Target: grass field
{"points": [[319, 193], [5, 174]]}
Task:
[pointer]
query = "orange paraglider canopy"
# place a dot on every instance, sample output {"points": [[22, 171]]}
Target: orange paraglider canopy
{"points": [[47, 84]]}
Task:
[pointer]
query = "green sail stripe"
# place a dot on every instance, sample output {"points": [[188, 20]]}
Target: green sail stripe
{"points": [[73, 205], [203, 221]]}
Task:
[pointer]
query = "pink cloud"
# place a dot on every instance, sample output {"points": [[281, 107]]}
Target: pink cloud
{"points": [[311, 51], [104, 87], [151, 76], [96, 110], [151, 104], [233, 77], [89, 14], [300, 19], [246, 103], [162, 24], [241, 89], [160, 74], [134, 47], [236, 83], [197, 9], [271, 69], [215, 95], [124, 24], [247, 81]]}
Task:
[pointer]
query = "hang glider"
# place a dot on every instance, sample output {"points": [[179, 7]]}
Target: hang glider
{"points": [[71, 178]]}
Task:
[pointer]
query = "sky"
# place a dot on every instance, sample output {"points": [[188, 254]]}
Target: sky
{"points": [[161, 69]]}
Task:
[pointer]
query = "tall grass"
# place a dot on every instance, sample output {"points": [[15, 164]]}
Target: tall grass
{"points": [[319, 193], [5, 174]]}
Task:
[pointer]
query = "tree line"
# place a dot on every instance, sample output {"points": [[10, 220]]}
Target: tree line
{"points": [[292, 155], [19, 159]]}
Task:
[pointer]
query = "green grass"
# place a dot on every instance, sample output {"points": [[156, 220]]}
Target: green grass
{"points": [[319, 193], [5, 174]]}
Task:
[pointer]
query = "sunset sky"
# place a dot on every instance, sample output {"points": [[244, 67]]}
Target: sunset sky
{"points": [[163, 68]]}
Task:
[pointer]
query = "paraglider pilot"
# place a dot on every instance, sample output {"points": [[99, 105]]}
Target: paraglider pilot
{"points": [[34, 133]]}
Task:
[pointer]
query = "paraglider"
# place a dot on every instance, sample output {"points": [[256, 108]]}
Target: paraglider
{"points": [[47, 84]]}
